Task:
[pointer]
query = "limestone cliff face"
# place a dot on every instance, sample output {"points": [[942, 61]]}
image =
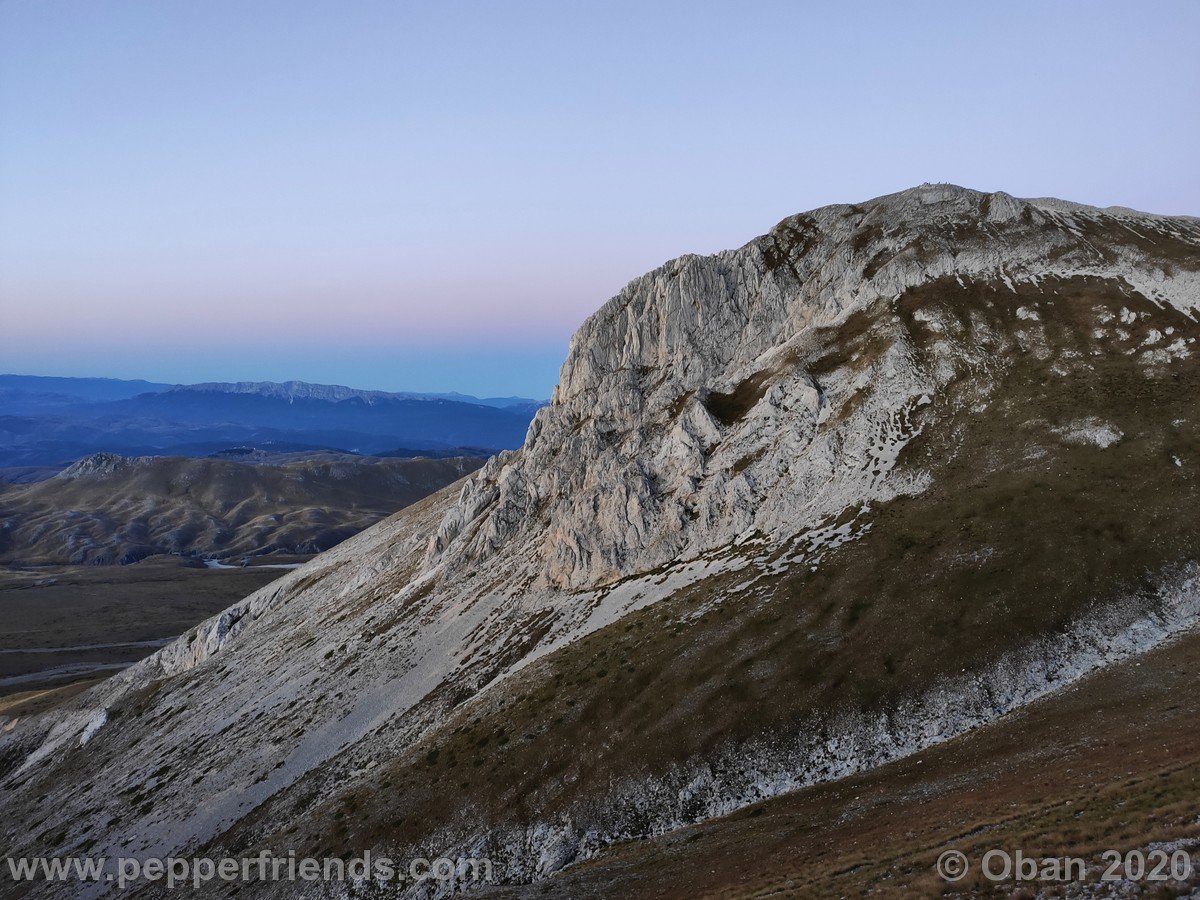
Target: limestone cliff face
{"points": [[682, 419], [724, 428]]}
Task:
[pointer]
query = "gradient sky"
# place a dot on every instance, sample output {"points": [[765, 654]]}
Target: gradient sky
{"points": [[433, 196]]}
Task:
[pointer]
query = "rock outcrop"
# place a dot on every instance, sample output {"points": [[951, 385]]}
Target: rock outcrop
{"points": [[681, 418]]}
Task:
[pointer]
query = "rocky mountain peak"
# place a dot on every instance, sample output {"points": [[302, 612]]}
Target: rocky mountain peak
{"points": [[663, 434]]}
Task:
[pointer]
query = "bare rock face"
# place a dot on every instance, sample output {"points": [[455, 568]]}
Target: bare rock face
{"points": [[682, 420], [779, 523]]}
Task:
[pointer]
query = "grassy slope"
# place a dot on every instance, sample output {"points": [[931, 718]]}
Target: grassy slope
{"points": [[1113, 762]]}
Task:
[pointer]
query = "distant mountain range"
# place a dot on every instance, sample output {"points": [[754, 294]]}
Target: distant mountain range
{"points": [[47, 388], [50, 421], [336, 393]]}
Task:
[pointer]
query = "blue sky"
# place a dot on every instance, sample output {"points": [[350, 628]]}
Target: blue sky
{"points": [[433, 196]]}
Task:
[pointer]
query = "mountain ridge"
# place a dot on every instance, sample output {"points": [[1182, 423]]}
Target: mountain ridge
{"points": [[743, 331], [335, 393], [81, 388], [110, 509], [41, 430]]}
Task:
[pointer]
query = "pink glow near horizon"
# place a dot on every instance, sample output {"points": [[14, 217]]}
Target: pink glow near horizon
{"points": [[435, 196]]}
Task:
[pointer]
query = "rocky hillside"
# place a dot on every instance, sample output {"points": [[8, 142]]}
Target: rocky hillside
{"points": [[107, 509], [882, 475]]}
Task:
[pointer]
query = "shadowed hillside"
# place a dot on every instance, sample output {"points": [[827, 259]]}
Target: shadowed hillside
{"points": [[109, 509]]}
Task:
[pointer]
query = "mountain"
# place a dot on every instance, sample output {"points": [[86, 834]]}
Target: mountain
{"points": [[796, 512], [34, 395], [363, 421], [334, 393], [39, 429], [111, 509], [100, 389], [523, 404], [74, 389]]}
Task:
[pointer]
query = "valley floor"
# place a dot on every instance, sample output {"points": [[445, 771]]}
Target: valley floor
{"points": [[1112, 763], [72, 625]]}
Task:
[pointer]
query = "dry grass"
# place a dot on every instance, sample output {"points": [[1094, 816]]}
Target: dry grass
{"points": [[1111, 763]]}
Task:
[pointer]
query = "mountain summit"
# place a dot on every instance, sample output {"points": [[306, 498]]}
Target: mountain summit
{"points": [[795, 510]]}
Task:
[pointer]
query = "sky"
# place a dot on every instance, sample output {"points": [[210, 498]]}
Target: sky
{"points": [[433, 196]]}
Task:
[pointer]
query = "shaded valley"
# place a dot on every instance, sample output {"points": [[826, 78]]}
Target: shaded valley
{"points": [[73, 625]]}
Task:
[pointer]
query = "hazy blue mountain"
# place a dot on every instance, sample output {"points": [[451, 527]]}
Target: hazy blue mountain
{"points": [[51, 421], [304, 390], [523, 404], [55, 389]]}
